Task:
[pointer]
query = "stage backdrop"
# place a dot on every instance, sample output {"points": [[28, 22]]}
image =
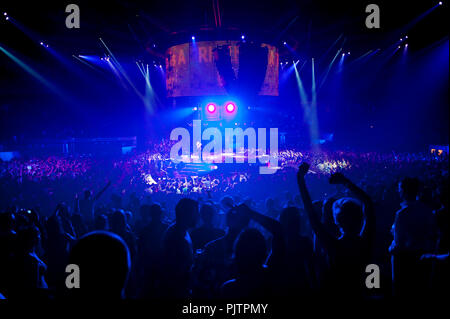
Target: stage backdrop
{"points": [[191, 70]]}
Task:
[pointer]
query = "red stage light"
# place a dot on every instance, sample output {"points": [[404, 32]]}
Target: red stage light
{"points": [[211, 108], [230, 107]]}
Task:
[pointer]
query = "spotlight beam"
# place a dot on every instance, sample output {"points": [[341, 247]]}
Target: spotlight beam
{"points": [[362, 56], [287, 27], [124, 74], [309, 109], [329, 68], [313, 82], [85, 63], [33, 73], [331, 46], [29, 33], [111, 66], [109, 51], [341, 63], [420, 17], [303, 96], [314, 125]]}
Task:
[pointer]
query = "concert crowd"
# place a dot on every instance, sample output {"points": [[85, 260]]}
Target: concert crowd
{"points": [[310, 229]]}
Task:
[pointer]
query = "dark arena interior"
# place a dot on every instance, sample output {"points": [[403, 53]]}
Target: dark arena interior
{"points": [[216, 150]]}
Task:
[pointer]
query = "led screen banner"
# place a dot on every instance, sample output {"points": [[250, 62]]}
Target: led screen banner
{"points": [[191, 69]]}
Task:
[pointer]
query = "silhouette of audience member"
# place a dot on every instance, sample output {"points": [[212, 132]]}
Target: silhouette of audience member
{"points": [[116, 201], [226, 203], [144, 218], [271, 209], [322, 260], [8, 239], [28, 268], [328, 217], [150, 248], [206, 232], [178, 258], [101, 222], [65, 217], [133, 203], [414, 234], [215, 264], [443, 219], [87, 203], [257, 270], [440, 262], [120, 227], [350, 253], [250, 256], [78, 225], [298, 267], [104, 262], [56, 246]]}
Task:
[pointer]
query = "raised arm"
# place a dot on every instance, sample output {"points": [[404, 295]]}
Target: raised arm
{"points": [[100, 193], [322, 234], [368, 228], [274, 227], [76, 204]]}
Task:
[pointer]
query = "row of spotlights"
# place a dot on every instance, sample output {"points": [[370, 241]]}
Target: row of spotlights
{"points": [[193, 38], [401, 39], [285, 43], [107, 58], [287, 62], [229, 107]]}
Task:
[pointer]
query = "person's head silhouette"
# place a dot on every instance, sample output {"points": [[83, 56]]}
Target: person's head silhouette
{"points": [[409, 188], [155, 212], [270, 204], [87, 194], [186, 213], [27, 239], [327, 211], [207, 214], [103, 259], [443, 193], [348, 216], [290, 220], [250, 251], [101, 222], [118, 221], [144, 211], [236, 222]]}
